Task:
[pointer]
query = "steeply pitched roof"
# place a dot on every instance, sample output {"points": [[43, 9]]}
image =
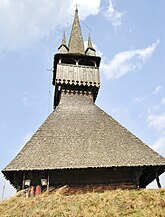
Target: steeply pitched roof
{"points": [[78, 134], [76, 43], [63, 47], [90, 50], [63, 43], [89, 42]]}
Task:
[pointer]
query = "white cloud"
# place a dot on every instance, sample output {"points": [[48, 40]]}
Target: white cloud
{"points": [[163, 101], [137, 100], [141, 99], [26, 99], [157, 121], [86, 8], [127, 61], [159, 144], [30, 99], [24, 21], [157, 89], [113, 15], [156, 116]]}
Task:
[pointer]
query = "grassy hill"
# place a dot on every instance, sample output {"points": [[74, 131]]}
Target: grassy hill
{"points": [[114, 203]]}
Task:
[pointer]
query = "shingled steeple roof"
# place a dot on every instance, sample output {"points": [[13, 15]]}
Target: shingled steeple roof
{"points": [[63, 48], [89, 42], [90, 50], [76, 43], [63, 40]]}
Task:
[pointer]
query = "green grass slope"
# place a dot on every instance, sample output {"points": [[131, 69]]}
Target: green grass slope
{"points": [[114, 203]]}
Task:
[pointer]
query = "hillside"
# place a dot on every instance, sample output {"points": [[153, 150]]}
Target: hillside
{"points": [[114, 203]]}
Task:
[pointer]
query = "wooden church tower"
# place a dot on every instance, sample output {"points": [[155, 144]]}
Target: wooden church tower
{"points": [[79, 144]]}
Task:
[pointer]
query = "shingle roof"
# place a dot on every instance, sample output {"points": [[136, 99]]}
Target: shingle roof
{"points": [[78, 134], [89, 42], [63, 42], [76, 43]]}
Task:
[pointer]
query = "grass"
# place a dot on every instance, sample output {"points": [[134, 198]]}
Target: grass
{"points": [[110, 203]]}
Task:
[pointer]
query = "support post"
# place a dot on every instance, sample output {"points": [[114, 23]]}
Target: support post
{"points": [[157, 179], [23, 180], [3, 190], [48, 182], [137, 175]]}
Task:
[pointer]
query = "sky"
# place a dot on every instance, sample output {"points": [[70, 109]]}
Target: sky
{"points": [[128, 35]]}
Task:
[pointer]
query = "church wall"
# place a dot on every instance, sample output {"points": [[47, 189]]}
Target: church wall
{"points": [[98, 176]]}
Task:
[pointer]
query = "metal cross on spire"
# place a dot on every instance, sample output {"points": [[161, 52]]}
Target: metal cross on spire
{"points": [[77, 5]]}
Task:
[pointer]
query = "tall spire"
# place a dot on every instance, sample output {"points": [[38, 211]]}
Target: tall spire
{"points": [[76, 43]]}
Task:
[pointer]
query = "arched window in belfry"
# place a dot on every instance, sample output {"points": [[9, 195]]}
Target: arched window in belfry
{"points": [[86, 63], [68, 61]]}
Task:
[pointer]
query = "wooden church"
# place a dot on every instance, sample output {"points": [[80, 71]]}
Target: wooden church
{"points": [[79, 144]]}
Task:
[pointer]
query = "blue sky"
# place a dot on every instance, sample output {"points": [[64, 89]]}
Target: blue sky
{"points": [[128, 35]]}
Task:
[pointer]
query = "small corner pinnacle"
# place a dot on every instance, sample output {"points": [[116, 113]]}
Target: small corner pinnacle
{"points": [[89, 41], [63, 39]]}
